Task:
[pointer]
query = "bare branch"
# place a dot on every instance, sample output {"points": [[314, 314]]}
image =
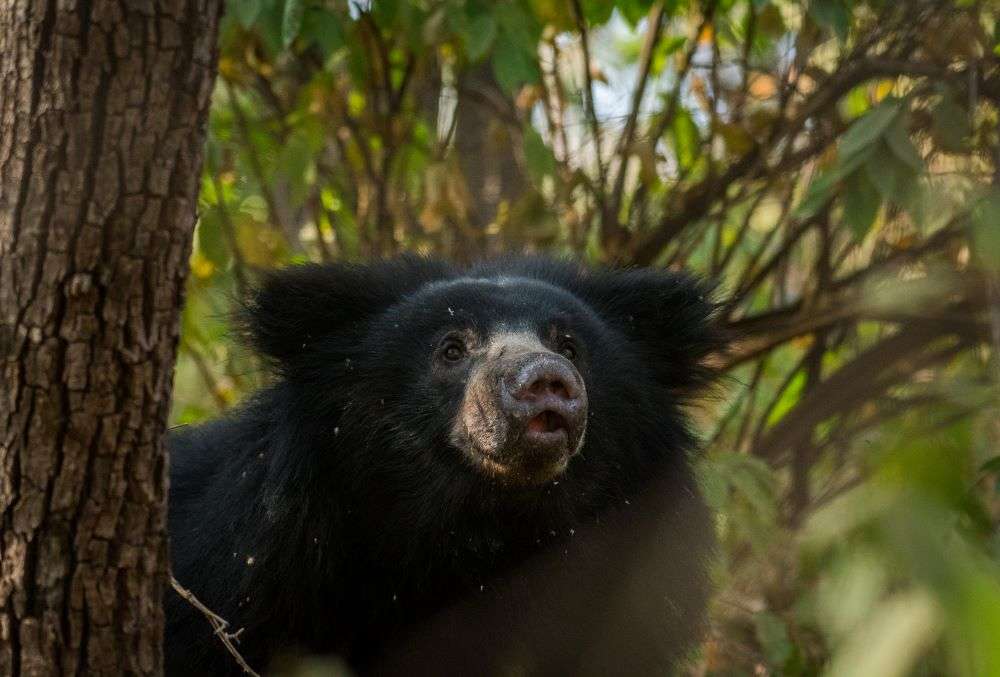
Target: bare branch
{"points": [[653, 33], [697, 201], [886, 363], [219, 625], [588, 97], [206, 374]]}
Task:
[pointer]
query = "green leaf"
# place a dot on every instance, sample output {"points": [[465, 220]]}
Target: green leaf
{"points": [[245, 11], [671, 44], [773, 637], [991, 466], [900, 144], [832, 14], [323, 28], [861, 203], [479, 36], [893, 178], [633, 10], [386, 11], [866, 130], [294, 161], [986, 230], [597, 11], [291, 21], [255, 207], [558, 15], [759, 495], [518, 26], [667, 46], [892, 637], [855, 104], [514, 66], [823, 187], [211, 241], [789, 398], [714, 486], [687, 138], [538, 156], [269, 25]]}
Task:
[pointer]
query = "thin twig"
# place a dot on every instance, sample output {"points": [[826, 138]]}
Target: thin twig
{"points": [[668, 114], [239, 263], [746, 395], [255, 162], [588, 97], [219, 626], [206, 374], [751, 31], [381, 50], [560, 93], [890, 361], [653, 34], [794, 235]]}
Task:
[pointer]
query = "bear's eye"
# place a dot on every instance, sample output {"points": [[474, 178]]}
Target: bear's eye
{"points": [[453, 350], [568, 350]]}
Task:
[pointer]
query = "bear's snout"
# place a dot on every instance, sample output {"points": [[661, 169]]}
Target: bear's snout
{"points": [[524, 414], [544, 396]]}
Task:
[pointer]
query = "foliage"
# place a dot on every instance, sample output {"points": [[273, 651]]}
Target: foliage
{"points": [[832, 163]]}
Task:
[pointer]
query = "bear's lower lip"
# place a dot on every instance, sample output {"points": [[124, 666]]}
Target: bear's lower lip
{"points": [[546, 438], [527, 470]]}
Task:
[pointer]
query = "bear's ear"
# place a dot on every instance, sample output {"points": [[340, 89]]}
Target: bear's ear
{"points": [[294, 306], [669, 316]]}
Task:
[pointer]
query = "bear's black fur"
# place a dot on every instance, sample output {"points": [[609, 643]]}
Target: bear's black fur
{"points": [[333, 514]]}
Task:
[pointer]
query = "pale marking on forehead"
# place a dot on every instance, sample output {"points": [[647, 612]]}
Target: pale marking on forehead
{"points": [[509, 339], [499, 281], [509, 283]]}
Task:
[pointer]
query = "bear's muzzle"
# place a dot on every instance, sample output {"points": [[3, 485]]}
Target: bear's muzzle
{"points": [[524, 414]]}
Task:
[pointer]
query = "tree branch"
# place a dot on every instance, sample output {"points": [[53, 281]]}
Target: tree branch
{"points": [[588, 97], [219, 626], [655, 30], [255, 163]]}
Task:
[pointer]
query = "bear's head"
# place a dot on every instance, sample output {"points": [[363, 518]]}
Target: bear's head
{"points": [[510, 373]]}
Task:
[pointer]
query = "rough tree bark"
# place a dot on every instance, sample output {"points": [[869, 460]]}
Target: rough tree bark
{"points": [[485, 151], [102, 112]]}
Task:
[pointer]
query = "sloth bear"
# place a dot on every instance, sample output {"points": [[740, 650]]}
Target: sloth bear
{"points": [[456, 470]]}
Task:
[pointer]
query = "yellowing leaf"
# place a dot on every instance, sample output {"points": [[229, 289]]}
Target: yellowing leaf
{"points": [[763, 87], [883, 89], [201, 267], [228, 68], [738, 141], [356, 102]]}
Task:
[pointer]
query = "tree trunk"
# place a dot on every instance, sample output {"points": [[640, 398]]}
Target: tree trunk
{"points": [[102, 113], [485, 146]]}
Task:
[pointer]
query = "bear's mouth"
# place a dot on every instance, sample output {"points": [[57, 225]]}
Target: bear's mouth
{"points": [[529, 453], [547, 428]]}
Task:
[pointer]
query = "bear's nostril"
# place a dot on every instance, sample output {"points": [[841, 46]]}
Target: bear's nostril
{"points": [[544, 382], [559, 389], [544, 385]]}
